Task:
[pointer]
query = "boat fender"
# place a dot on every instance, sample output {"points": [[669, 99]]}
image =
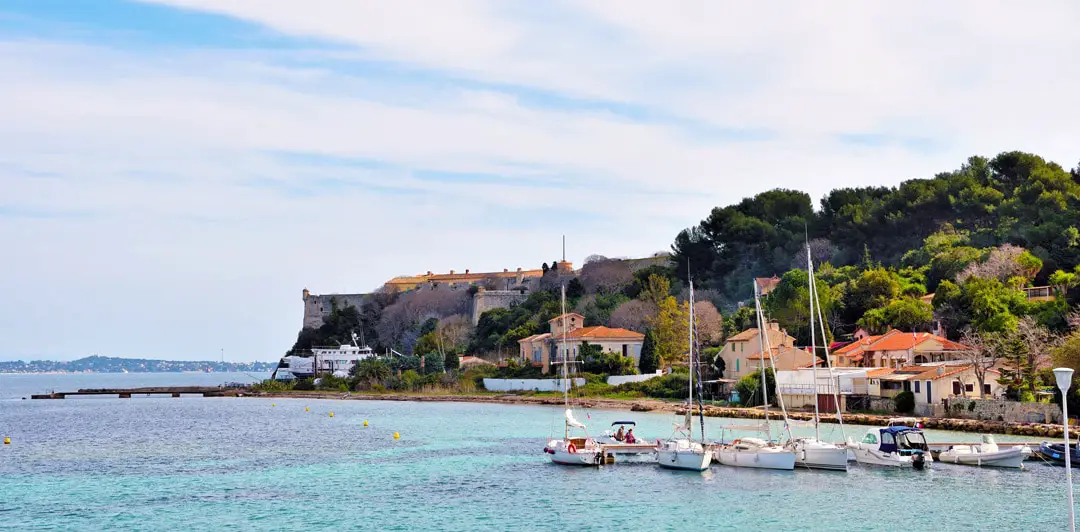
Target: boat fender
{"points": [[571, 449]]}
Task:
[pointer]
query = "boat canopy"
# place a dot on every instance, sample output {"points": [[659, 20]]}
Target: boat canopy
{"points": [[624, 423], [892, 439]]}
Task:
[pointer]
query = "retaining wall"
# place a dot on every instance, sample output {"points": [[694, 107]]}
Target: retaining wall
{"points": [[616, 380], [1002, 410], [537, 385]]}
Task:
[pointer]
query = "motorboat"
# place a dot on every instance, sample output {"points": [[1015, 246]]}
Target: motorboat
{"points": [[680, 451], [985, 454], [895, 446], [812, 453], [609, 437], [1055, 452], [755, 453]]}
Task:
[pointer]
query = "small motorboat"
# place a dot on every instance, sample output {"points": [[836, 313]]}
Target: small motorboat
{"points": [[609, 437], [986, 454], [895, 446], [1055, 452]]}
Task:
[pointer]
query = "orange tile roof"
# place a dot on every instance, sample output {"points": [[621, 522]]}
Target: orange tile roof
{"points": [[857, 346], [877, 372], [744, 336], [534, 337], [568, 315], [602, 332], [895, 340]]}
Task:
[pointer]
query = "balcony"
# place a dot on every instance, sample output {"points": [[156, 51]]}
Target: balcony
{"points": [[1039, 293]]}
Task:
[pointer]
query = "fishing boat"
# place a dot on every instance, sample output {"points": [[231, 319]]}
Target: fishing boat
{"points": [[986, 454], [1055, 452], [813, 453], [680, 451], [895, 446], [578, 451], [757, 452]]}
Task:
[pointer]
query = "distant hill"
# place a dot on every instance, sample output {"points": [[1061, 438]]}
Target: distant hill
{"points": [[100, 364]]}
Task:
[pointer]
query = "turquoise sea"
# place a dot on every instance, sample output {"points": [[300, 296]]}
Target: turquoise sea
{"points": [[267, 464]]}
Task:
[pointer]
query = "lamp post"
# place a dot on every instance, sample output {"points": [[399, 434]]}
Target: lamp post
{"points": [[1064, 381]]}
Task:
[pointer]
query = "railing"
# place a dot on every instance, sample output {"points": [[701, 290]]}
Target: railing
{"points": [[805, 388], [1039, 292]]}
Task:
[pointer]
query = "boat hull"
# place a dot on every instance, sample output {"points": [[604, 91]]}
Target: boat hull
{"points": [[568, 454], [811, 454], [758, 459], [685, 460], [876, 458], [1005, 458]]}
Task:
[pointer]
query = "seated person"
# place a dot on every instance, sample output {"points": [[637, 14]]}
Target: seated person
{"points": [[619, 435], [630, 436]]}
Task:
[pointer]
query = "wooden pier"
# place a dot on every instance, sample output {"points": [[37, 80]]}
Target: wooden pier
{"points": [[126, 393]]}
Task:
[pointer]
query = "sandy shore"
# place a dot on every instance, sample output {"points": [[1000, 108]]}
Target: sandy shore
{"points": [[656, 405]]}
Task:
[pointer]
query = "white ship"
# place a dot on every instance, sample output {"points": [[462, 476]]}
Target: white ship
{"points": [[337, 361]]}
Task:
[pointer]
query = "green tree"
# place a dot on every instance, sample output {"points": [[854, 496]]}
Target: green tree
{"points": [[670, 331], [789, 304], [906, 314], [749, 388], [649, 362], [905, 402]]}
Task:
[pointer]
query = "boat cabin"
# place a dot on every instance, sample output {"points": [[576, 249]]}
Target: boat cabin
{"points": [[897, 439]]}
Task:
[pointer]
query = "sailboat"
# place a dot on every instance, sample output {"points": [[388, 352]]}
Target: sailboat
{"points": [[813, 453], [582, 451], [757, 452], [680, 451]]}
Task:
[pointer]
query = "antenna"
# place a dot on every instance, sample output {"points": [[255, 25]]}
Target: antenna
{"points": [[564, 248]]}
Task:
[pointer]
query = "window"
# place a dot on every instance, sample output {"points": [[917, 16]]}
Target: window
{"points": [[916, 386], [737, 360], [986, 389], [969, 387], [887, 439], [870, 438]]}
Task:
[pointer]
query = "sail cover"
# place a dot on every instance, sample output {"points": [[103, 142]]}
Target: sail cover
{"points": [[571, 421]]}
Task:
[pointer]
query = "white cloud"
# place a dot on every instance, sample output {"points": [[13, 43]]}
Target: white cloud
{"points": [[158, 198]]}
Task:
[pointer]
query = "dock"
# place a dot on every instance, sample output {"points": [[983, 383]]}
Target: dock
{"points": [[126, 393]]}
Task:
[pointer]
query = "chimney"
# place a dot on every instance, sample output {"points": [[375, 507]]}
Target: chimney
{"points": [[940, 370], [451, 272], [505, 270], [519, 270], [429, 273], [466, 271]]}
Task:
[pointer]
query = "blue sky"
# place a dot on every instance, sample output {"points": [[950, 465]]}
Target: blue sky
{"points": [[174, 172]]}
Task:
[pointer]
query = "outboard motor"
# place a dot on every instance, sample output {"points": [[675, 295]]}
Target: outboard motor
{"points": [[918, 461]]}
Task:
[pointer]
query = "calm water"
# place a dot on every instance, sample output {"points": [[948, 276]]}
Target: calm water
{"points": [[222, 463]]}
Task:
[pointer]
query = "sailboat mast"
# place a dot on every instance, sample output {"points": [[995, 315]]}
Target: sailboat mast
{"points": [[828, 361], [765, 351], [690, 403], [565, 360], [813, 339]]}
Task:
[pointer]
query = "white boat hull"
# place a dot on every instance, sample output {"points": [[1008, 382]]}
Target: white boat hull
{"points": [[685, 460], [1013, 457], [756, 458], [564, 454], [814, 454], [874, 457]]}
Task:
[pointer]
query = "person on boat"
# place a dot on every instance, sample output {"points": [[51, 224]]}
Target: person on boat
{"points": [[620, 435], [630, 436]]}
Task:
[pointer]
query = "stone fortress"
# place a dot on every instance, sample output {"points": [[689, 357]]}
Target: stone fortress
{"points": [[493, 290]]}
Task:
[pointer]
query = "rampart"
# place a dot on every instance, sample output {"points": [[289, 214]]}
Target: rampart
{"points": [[485, 300]]}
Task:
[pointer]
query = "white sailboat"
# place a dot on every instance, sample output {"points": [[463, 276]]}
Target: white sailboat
{"points": [[583, 451], [757, 452], [813, 453], [680, 451]]}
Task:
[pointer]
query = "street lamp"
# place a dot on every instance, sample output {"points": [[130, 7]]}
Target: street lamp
{"points": [[1064, 381]]}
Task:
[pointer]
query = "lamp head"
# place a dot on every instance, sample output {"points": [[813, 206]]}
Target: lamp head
{"points": [[1064, 378]]}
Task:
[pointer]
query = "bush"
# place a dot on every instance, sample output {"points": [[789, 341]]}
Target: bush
{"points": [[305, 385], [272, 386], [671, 386], [905, 402], [749, 388], [330, 382]]}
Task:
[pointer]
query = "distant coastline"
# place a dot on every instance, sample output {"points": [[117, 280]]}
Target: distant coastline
{"points": [[100, 364]]}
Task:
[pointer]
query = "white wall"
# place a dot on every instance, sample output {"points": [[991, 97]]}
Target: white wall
{"points": [[539, 385], [616, 380]]}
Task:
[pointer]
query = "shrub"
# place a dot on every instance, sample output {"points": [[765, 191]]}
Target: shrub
{"points": [[749, 388], [905, 402], [305, 385], [971, 406], [272, 386]]}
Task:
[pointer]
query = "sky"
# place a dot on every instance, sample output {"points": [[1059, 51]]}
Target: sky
{"points": [[174, 172]]}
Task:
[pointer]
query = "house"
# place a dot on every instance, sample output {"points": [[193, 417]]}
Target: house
{"points": [[767, 284], [800, 386], [542, 349], [931, 383], [742, 353], [896, 349]]}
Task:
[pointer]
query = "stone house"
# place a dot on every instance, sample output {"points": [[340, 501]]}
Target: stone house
{"points": [[742, 353], [542, 349], [896, 349]]}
